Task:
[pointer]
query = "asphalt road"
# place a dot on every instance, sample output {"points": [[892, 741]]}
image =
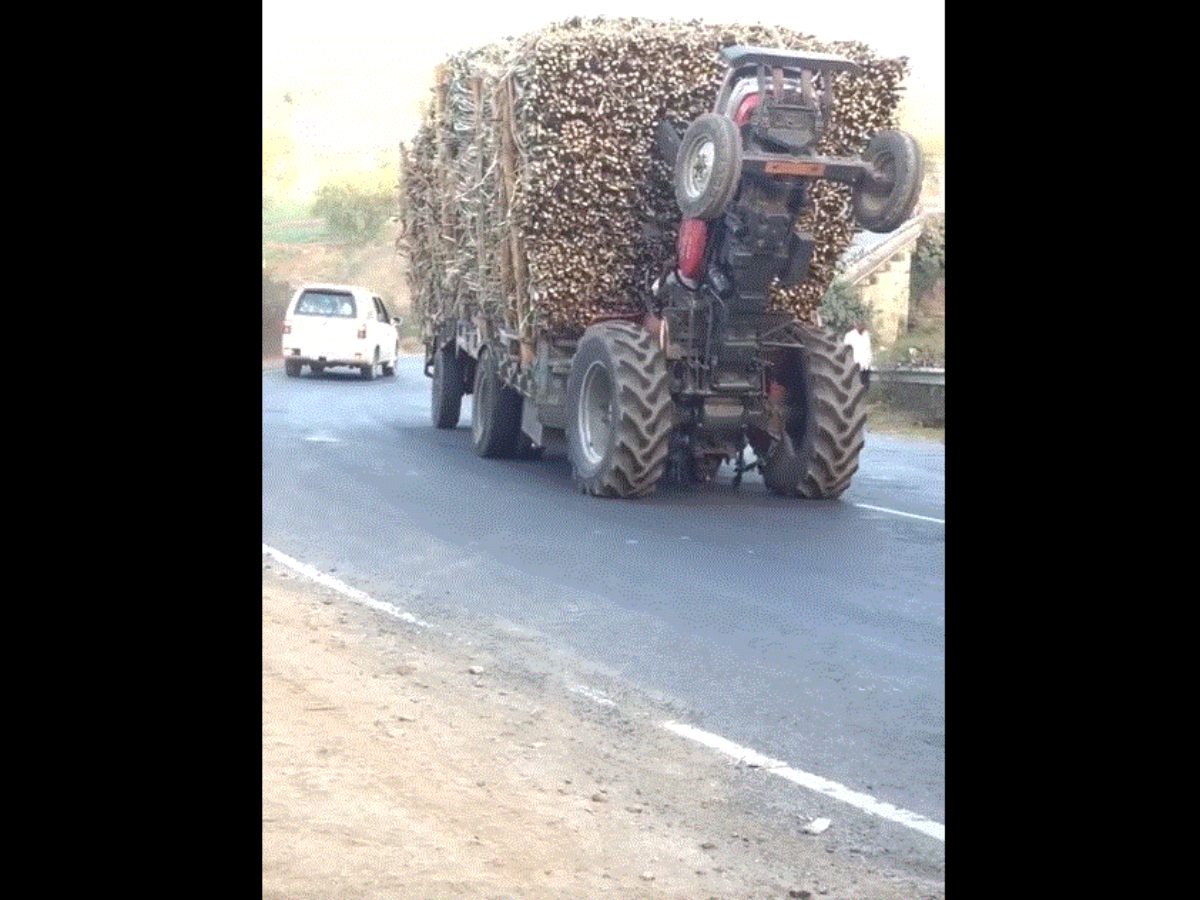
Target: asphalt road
{"points": [[811, 632]]}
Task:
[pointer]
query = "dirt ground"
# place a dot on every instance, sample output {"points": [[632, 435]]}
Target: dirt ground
{"points": [[390, 768], [885, 419]]}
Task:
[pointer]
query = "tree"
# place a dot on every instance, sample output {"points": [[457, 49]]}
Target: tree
{"points": [[352, 213], [275, 298], [842, 306], [929, 258]]}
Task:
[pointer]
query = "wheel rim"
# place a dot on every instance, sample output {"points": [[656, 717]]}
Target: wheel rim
{"points": [[479, 403], [595, 412], [698, 171]]}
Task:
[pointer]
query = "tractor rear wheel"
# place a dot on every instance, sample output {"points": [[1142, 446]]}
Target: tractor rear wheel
{"points": [[826, 419], [621, 411]]}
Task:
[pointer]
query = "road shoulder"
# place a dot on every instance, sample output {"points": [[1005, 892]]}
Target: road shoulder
{"points": [[398, 761]]}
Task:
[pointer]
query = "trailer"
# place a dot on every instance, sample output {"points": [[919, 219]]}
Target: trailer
{"points": [[699, 368]]}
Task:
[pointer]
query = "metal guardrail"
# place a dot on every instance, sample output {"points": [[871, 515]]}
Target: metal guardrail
{"points": [[905, 236], [916, 375]]}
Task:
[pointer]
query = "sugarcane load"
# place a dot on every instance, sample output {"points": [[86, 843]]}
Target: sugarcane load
{"points": [[618, 233]]}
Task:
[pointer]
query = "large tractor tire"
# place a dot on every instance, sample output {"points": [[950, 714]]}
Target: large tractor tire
{"points": [[495, 411], [621, 411], [826, 420], [446, 387]]}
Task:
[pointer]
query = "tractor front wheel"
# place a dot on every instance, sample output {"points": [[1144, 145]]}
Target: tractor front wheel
{"points": [[708, 167], [885, 200]]}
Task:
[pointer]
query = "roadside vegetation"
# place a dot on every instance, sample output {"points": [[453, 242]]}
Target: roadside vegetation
{"points": [[842, 306], [290, 223], [353, 214], [924, 344], [275, 296]]}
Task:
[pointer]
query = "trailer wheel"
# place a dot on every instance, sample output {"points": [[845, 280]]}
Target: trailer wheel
{"points": [[292, 368], [884, 203], [621, 411], [708, 167], [447, 387], [495, 411], [826, 419]]}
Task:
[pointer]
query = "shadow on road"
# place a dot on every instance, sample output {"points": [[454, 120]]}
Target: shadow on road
{"points": [[344, 375], [453, 451]]}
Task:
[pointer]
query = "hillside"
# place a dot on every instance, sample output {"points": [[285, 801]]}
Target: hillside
{"points": [[316, 258]]}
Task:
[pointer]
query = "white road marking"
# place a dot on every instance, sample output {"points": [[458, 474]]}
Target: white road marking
{"points": [[323, 439], [591, 694], [896, 512], [315, 574], [865, 802]]}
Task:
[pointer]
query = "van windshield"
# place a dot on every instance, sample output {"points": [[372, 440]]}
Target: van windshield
{"points": [[325, 303]]}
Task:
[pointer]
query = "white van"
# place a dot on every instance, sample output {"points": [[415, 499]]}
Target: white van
{"points": [[330, 325]]}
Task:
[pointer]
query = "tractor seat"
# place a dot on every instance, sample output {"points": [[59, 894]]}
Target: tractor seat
{"points": [[739, 55]]}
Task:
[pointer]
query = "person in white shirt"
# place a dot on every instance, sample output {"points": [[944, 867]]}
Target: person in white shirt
{"points": [[859, 340]]}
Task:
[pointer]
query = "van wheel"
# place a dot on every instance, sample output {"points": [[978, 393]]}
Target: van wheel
{"points": [[368, 372]]}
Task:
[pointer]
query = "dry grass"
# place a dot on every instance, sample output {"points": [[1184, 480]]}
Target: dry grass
{"points": [[885, 419]]}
